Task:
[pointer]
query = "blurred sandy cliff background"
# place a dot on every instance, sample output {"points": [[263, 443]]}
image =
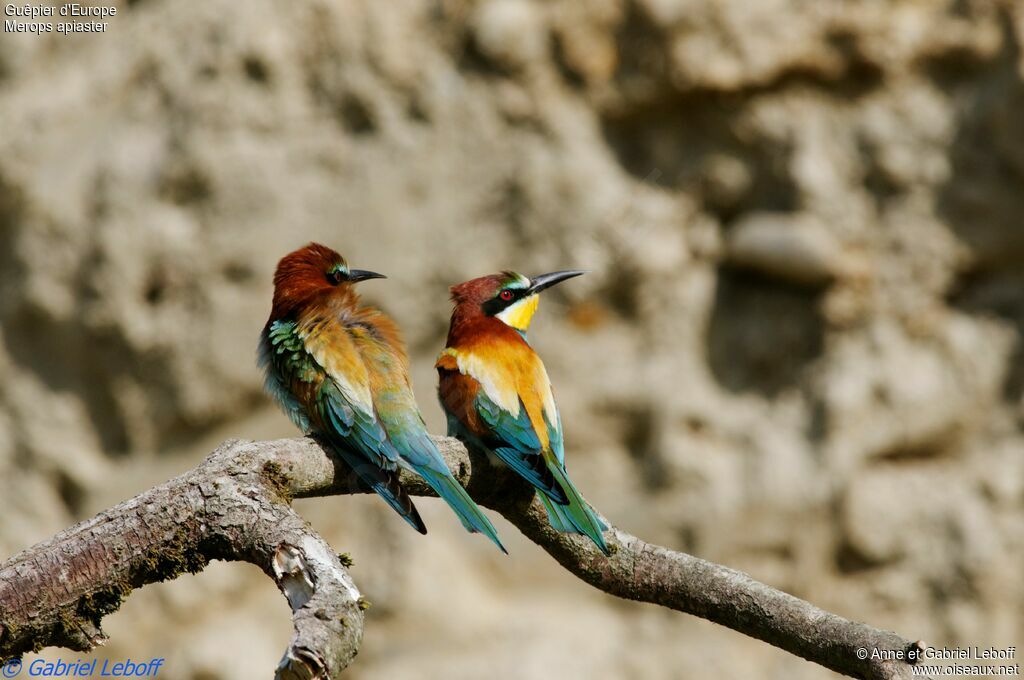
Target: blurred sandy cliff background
{"points": [[798, 351]]}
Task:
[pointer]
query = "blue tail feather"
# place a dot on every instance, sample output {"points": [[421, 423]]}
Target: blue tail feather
{"points": [[449, 489], [576, 516], [418, 452]]}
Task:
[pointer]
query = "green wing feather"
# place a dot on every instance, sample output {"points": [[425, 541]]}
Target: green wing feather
{"points": [[316, 403], [514, 440]]}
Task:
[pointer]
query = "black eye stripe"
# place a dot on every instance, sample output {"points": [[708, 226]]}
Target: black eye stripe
{"points": [[517, 294], [497, 304]]}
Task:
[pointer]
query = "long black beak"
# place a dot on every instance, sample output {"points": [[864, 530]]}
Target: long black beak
{"points": [[539, 283], [363, 274]]}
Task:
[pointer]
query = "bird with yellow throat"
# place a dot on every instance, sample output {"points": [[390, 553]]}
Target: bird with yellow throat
{"points": [[497, 395]]}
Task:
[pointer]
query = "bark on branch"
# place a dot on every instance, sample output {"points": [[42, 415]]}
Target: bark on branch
{"points": [[235, 506]]}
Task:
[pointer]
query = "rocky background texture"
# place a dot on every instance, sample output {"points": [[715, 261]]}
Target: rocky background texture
{"points": [[798, 350]]}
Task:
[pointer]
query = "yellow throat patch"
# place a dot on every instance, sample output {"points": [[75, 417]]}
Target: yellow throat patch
{"points": [[520, 314]]}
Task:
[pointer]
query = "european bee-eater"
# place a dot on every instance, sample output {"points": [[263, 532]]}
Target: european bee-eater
{"points": [[496, 393], [340, 371]]}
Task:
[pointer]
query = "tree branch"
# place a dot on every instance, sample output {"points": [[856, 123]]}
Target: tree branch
{"points": [[231, 507], [235, 506]]}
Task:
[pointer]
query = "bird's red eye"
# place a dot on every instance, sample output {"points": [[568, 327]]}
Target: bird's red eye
{"points": [[505, 295]]}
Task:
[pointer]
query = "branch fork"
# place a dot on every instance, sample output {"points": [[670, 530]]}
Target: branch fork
{"points": [[235, 505]]}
